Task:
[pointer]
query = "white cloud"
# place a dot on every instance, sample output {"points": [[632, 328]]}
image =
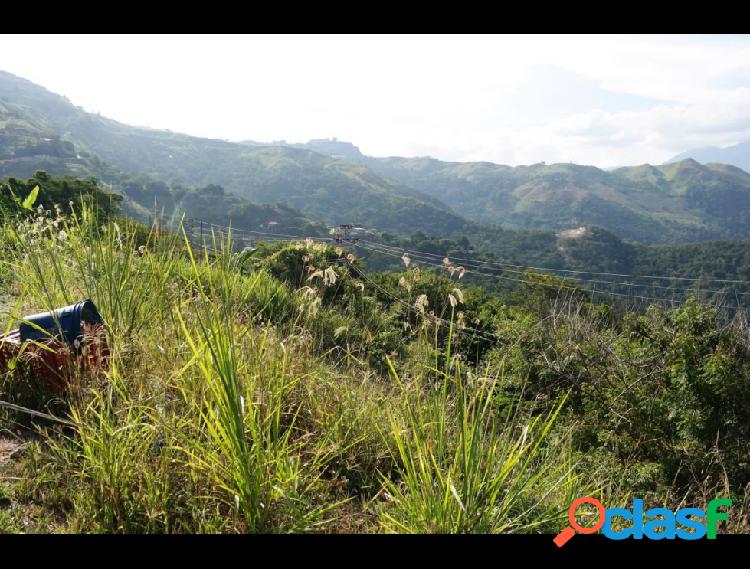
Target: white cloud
{"points": [[604, 100]]}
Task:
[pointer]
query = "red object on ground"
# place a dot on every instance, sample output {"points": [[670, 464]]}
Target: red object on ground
{"points": [[54, 360]]}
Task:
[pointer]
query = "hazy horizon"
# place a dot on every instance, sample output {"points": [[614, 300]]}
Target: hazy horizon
{"points": [[607, 101]]}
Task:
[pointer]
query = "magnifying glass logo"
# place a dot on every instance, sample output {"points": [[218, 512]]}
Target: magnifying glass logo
{"points": [[569, 531]]}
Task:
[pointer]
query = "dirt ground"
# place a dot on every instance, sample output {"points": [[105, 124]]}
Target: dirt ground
{"points": [[5, 308], [8, 448], [17, 513]]}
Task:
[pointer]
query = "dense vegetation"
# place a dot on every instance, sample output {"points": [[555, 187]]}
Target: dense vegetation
{"points": [[493, 258], [618, 272], [292, 389], [148, 199], [66, 192]]}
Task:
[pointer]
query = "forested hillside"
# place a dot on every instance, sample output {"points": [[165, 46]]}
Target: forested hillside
{"points": [[673, 203], [41, 130], [681, 202]]}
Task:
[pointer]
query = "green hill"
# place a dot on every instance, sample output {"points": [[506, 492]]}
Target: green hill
{"points": [[42, 130], [674, 203], [147, 198], [681, 202]]}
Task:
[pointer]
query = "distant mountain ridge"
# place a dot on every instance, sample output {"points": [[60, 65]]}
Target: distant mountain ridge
{"points": [[676, 202], [737, 155], [336, 191], [333, 181], [332, 147]]}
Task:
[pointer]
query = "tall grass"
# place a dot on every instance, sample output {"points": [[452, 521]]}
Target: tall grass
{"points": [[218, 413], [252, 456], [465, 467]]}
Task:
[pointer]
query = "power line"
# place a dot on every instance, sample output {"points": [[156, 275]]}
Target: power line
{"points": [[543, 269], [550, 285], [478, 267], [479, 263]]}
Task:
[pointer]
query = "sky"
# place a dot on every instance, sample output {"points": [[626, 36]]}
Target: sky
{"points": [[601, 100]]}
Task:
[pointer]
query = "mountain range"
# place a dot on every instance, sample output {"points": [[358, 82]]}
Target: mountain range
{"points": [[332, 181], [679, 202], [42, 130], [737, 155]]}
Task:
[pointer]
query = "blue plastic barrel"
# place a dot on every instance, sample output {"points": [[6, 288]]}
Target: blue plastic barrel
{"points": [[65, 322]]}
